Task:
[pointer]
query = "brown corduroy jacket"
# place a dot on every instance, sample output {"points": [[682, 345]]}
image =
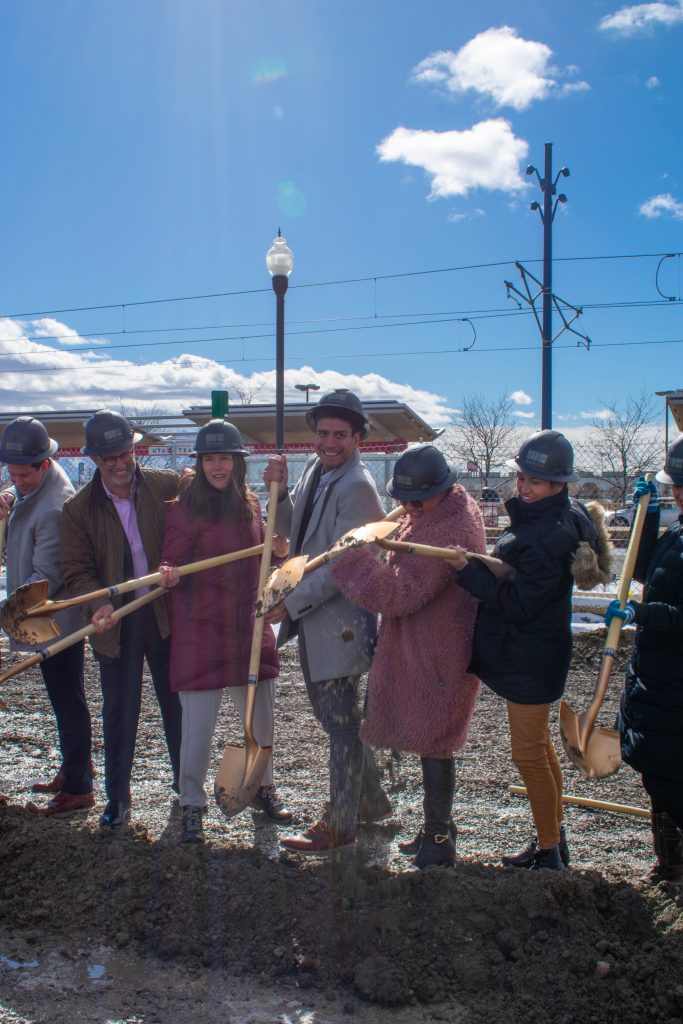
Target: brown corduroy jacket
{"points": [[95, 552]]}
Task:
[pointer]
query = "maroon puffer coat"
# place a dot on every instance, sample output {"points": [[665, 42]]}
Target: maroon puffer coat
{"points": [[212, 610]]}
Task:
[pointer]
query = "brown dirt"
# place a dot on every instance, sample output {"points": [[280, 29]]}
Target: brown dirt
{"points": [[129, 926]]}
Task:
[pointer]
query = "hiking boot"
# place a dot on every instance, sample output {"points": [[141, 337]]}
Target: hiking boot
{"points": [[524, 858], [269, 803], [549, 860], [53, 786], [67, 803], [192, 829], [411, 847], [319, 840]]}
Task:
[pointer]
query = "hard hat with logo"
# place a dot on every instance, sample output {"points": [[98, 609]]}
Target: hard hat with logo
{"points": [[218, 437], [673, 466], [107, 432], [547, 455], [421, 472], [25, 441], [340, 400]]}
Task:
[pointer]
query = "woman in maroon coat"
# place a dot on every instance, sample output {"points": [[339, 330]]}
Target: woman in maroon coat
{"points": [[420, 694], [212, 615]]}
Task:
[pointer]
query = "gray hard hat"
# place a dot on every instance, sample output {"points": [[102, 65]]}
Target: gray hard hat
{"points": [[421, 472], [547, 455], [673, 465], [340, 400], [218, 437], [107, 432], [24, 441]]}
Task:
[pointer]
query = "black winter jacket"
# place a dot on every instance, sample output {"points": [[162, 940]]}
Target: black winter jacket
{"points": [[522, 637], [652, 703]]}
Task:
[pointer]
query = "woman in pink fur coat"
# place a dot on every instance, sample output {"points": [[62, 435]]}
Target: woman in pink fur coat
{"points": [[420, 694]]}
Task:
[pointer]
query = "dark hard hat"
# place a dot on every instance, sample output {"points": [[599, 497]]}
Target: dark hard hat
{"points": [[107, 432], [421, 472], [218, 437], [547, 455], [673, 466], [336, 402], [24, 441]]}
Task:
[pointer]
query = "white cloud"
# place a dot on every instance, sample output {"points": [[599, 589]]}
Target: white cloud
{"points": [[485, 156], [596, 414], [662, 204], [652, 82], [46, 327], [524, 415], [41, 377], [629, 21], [498, 64], [521, 398]]}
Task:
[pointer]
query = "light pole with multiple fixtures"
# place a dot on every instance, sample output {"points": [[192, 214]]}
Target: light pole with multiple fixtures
{"points": [[307, 388], [280, 260]]}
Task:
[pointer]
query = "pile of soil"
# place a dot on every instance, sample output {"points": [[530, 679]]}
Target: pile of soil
{"points": [[327, 938]]}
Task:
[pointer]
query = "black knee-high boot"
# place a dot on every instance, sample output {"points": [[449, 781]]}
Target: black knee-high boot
{"points": [[668, 844], [437, 846]]}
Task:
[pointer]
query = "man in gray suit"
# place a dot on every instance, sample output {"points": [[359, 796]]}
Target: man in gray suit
{"points": [[336, 638]]}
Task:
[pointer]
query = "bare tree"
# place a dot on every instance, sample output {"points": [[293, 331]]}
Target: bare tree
{"points": [[624, 442], [146, 419], [486, 433], [247, 391]]}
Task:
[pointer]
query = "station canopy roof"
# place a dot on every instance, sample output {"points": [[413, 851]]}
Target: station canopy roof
{"points": [[393, 426], [674, 403]]}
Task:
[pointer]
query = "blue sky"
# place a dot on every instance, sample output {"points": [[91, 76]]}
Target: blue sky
{"points": [[152, 150]]}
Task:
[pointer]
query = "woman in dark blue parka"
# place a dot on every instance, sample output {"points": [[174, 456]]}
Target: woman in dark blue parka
{"points": [[652, 702]]}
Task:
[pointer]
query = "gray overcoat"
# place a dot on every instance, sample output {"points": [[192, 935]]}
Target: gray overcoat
{"points": [[33, 545], [339, 635]]}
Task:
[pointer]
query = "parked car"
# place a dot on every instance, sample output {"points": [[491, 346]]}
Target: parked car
{"points": [[669, 513]]}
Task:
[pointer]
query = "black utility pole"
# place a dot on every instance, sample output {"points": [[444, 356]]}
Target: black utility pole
{"points": [[549, 190]]}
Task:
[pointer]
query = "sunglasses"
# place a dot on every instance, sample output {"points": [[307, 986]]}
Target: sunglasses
{"points": [[414, 504]]}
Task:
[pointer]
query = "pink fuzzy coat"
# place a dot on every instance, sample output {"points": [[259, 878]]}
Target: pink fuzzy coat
{"points": [[420, 695]]}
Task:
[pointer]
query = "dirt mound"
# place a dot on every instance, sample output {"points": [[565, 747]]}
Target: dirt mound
{"points": [[566, 946]]}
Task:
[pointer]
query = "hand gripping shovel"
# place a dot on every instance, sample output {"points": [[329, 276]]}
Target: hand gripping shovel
{"points": [[27, 613], [597, 752], [241, 769], [285, 578], [502, 570], [73, 638]]}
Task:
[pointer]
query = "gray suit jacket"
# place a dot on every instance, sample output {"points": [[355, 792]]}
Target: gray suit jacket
{"points": [[339, 636]]}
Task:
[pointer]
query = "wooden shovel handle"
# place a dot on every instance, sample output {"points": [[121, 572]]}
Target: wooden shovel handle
{"points": [[81, 634], [50, 607], [325, 557], [588, 718], [495, 565]]}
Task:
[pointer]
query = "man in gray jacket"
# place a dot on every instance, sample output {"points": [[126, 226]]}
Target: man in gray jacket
{"points": [[336, 637], [34, 509]]}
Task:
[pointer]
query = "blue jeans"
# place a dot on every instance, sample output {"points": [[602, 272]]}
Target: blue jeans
{"points": [[352, 764]]}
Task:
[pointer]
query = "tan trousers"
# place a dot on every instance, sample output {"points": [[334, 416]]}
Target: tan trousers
{"points": [[534, 756]]}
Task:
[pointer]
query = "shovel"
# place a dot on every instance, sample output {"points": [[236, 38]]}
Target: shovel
{"points": [[597, 752], [27, 613], [502, 570], [285, 578], [241, 769], [73, 638]]}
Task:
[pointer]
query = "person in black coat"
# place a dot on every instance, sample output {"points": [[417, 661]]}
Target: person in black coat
{"points": [[651, 719], [522, 640]]}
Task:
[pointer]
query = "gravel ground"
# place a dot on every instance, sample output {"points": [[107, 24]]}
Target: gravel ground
{"points": [[131, 927]]}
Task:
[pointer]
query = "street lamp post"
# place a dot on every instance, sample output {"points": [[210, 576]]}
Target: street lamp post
{"points": [[280, 260], [307, 388]]}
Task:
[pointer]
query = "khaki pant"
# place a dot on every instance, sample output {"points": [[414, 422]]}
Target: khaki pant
{"points": [[534, 756]]}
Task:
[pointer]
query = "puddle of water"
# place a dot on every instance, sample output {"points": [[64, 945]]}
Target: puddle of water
{"points": [[16, 965]]}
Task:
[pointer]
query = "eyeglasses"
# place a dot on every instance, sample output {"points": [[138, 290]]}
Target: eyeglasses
{"points": [[338, 435], [110, 461]]}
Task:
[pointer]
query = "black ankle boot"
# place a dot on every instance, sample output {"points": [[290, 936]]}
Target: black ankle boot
{"points": [[549, 860], [436, 846], [524, 858], [411, 847]]}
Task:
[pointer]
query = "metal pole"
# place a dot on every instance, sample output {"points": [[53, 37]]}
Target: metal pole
{"points": [[280, 283], [547, 341]]}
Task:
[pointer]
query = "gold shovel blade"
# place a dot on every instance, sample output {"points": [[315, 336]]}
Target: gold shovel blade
{"points": [[281, 583], [239, 776], [32, 631], [601, 755], [361, 535]]}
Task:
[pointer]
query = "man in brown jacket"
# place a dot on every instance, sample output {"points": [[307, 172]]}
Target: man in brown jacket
{"points": [[112, 530]]}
